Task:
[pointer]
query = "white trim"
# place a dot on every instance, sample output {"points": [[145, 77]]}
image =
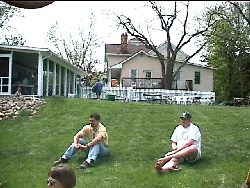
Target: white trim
{"points": [[65, 81], [25, 48], [47, 82], [109, 77], [118, 54], [60, 80], [74, 83], [54, 80], [40, 75], [10, 72], [117, 66], [69, 81]]}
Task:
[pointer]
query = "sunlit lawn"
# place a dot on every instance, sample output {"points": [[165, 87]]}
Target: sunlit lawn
{"points": [[138, 134]]}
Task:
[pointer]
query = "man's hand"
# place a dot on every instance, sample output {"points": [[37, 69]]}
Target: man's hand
{"points": [[76, 145], [82, 147]]}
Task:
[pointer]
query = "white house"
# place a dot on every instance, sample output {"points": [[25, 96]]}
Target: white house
{"points": [[132, 64], [38, 71]]}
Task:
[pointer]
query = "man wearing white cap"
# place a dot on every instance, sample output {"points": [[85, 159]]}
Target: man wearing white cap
{"points": [[186, 145]]}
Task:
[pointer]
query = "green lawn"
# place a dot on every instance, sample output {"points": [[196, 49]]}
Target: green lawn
{"points": [[139, 133]]}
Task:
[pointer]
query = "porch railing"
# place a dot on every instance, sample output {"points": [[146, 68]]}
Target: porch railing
{"points": [[168, 96], [140, 83]]}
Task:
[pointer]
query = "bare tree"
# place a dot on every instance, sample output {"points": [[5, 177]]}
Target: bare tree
{"points": [[167, 21], [246, 14], [77, 50]]}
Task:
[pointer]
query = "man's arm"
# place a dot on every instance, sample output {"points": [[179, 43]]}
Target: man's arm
{"points": [[78, 135], [187, 144], [95, 141], [176, 149]]}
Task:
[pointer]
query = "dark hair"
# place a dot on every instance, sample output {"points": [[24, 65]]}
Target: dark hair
{"points": [[95, 116], [64, 174]]}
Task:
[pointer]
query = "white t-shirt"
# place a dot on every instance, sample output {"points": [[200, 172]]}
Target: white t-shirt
{"points": [[181, 135]]}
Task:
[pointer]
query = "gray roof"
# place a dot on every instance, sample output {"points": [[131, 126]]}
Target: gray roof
{"points": [[118, 65], [133, 47], [45, 52]]}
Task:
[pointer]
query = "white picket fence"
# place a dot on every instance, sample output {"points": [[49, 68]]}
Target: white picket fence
{"points": [[160, 95]]}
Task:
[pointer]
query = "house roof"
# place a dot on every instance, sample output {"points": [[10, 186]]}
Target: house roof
{"points": [[173, 46], [119, 65], [133, 46], [23, 48], [47, 53]]}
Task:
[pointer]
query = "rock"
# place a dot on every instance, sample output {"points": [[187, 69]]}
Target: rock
{"points": [[12, 106]]}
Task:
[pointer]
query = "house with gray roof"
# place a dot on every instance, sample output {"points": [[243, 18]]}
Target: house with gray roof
{"points": [[131, 64]]}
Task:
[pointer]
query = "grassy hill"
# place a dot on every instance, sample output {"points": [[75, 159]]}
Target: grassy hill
{"points": [[139, 133]]}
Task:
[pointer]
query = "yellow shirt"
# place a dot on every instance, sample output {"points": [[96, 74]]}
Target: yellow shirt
{"points": [[89, 133]]}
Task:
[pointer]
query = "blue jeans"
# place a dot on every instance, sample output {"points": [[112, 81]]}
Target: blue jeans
{"points": [[94, 151]]}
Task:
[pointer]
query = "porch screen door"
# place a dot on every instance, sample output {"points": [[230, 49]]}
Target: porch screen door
{"points": [[133, 75], [5, 74]]}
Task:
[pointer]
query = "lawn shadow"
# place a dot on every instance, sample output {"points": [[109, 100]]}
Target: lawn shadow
{"points": [[101, 160], [204, 162], [200, 164]]}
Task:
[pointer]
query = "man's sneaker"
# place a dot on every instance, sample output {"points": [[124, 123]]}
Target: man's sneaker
{"points": [[85, 164], [61, 160]]}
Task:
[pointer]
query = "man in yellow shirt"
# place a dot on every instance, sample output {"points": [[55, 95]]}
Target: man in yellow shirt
{"points": [[92, 138]]}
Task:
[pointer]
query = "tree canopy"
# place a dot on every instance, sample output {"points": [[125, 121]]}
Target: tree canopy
{"points": [[229, 52], [8, 34]]}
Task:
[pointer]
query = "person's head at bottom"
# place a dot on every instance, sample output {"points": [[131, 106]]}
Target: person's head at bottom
{"points": [[61, 176]]}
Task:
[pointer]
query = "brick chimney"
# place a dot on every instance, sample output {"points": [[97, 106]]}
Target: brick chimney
{"points": [[124, 43]]}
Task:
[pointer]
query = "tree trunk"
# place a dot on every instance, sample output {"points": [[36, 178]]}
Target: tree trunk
{"points": [[169, 79], [168, 75]]}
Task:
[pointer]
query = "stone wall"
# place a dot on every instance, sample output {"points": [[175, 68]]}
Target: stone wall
{"points": [[11, 107]]}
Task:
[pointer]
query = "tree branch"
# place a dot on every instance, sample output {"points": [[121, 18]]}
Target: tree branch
{"points": [[241, 11], [130, 28]]}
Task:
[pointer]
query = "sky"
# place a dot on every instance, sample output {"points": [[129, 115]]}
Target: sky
{"points": [[70, 14]]}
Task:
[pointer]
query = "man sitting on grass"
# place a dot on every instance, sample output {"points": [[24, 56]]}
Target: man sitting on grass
{"points": [[92, 138], [186, 145]]}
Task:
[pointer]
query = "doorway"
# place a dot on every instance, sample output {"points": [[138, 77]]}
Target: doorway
{"points": [[189, 85], [5, 74]]}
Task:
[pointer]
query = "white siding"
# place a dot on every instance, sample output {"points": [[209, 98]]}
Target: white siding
{"points": [[142, 63], [112, 59], [206, 77]]}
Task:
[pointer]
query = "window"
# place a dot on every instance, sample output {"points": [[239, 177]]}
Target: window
{"points": [[148, 74], [197, 77], [133, 75]]}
